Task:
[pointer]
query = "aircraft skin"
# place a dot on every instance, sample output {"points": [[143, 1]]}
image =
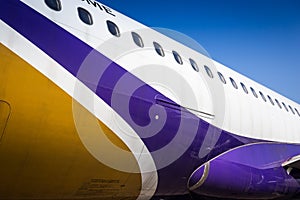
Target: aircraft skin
{"points": [[85, 114]]}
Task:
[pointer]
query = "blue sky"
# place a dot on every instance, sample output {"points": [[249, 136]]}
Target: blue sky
{"points": [[258, 38]]}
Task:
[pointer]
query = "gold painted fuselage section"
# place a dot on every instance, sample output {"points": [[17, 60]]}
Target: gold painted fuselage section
{"points": [[41, 154]]}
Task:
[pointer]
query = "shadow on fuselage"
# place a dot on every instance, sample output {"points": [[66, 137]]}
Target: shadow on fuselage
{"points": [[197, 197]]}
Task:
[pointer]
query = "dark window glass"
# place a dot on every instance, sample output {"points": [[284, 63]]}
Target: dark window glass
{"points": [[253, 92], [177, 57], [222, 77], [278, 103], [53, 4], [137, 39], [244, 88], [113, 28], [262, 96], [159, 50], [285, 107], [233, 83], [208, 71], [85, 16], [297, 112], [292, 109], [194, 65], [270, 99]]}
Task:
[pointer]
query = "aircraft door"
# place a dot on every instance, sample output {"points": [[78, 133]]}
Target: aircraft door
{"points": [[4, 116]]}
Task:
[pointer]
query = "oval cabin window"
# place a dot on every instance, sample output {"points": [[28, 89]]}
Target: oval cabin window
{"points": [[194, 65], [113, 28], [297, 112], [233, 83], [253, 92], [222, 77], [285, 107], [278, 103], [271, 100], [263, 96], [208, 71], [53, 4], [177, 57], [244, 88], [85, 16], [137, 39], [159, 50], [292, 109]]}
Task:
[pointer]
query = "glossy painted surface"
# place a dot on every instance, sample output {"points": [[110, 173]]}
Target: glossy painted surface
{"points": [[41, 154], [177, 140]]}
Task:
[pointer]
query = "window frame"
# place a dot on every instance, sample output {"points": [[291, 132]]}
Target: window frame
{"points": [[222, 78], [286, 108], [58, 5], [292, 109], [86, 21], [208, 71], [233, 83], [253, 92], [278, 103], [262, 96], [297, 112], [194, 65], [271, 100], [158, 48], [244, 88], [111, 26], [177, 57], [137, 39]]}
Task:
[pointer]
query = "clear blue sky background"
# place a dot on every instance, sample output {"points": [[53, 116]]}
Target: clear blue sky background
{"points": [[258, 38]]}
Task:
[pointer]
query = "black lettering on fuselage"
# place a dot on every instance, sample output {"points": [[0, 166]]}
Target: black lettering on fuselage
{"points": [[108, 10], [94, 3], [101, 7]]}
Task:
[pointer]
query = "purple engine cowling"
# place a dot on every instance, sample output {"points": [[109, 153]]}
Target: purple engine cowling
{"points": [[250, 172]]}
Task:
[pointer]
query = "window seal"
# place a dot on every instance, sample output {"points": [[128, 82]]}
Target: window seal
{"points": [[54, 4], [177, 57], [208, 71], [159, 50], [222, 78], [85, 16], [233, 83], [113, 28], [137, 39]]}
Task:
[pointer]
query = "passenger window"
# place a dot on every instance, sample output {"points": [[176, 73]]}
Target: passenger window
{"points": [[137, 39], [297, 112], [159, 50], [262, 96], [270, 99], [253, 92], [85, 16], [244, 88], [113, 28], [194, 65], [208, 71], [285, 107], [278, 103], [233, 83], [53, 4], [292, 109], [222, 77], [177, 57]]}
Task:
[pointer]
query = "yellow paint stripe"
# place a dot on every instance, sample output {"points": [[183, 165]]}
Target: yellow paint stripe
{"points": [[41, 155]]}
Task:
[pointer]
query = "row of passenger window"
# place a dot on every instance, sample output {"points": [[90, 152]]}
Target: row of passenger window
{"points": [[234, 84], [86, 17]]}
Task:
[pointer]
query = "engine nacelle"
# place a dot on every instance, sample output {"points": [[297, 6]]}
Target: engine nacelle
{"points": [[244, 174]]}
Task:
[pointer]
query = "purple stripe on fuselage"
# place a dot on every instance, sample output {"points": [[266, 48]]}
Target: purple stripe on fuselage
{"points": [[70, 52], [130, 97]]}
